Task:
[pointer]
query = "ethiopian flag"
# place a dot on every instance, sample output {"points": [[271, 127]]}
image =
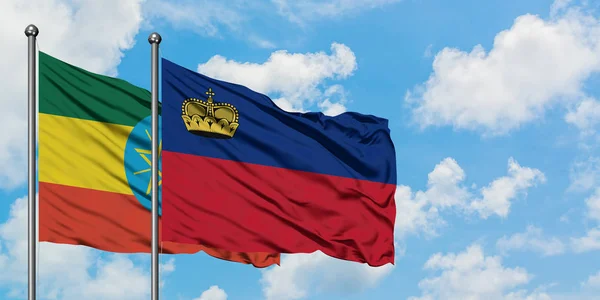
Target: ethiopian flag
{"points": [[94, 165]]}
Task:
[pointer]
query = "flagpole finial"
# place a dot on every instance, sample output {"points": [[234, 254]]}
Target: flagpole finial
{"points": [[154, 38], [32, 30]]}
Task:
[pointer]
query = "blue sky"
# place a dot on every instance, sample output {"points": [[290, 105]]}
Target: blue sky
{"points": [[493, 111]]}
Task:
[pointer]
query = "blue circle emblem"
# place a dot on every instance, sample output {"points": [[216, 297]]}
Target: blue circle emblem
{"points": [[138, 162]]}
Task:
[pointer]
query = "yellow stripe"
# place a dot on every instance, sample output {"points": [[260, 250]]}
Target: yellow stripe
{"points": [[83, 153]]}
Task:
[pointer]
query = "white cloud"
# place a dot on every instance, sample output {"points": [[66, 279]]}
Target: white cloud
{"points": [[532, 239], [559, 6], [487, 278], [118, 278], [335, 99], [524, 295], [514, 83], [496, 197], [296, 79], [593, 206], [213, 18], [444, 189], [589, 242], [168, 267], [201, 16], [415, 214], [586, 116], [165, 269], [593, 282], [585, 174], [301, 11], [300, 274], [331, 109], [428, 51], [213, 293], [90, 275], [73, 31], [420, 211], [261, 42]]}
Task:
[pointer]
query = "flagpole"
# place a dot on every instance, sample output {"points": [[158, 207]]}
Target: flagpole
{"points": [[31, 32], [154, 39]]}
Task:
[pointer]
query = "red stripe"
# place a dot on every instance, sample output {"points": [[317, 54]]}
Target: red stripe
{"points": [[247, 207], [113, 222]]}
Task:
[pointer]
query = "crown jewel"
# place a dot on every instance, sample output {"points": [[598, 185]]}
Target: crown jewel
{"points": [[208, 118]]}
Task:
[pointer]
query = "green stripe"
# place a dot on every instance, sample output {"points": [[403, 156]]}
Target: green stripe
{"points": [[70, 91]]}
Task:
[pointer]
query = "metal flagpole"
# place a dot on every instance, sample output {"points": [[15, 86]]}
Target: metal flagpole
{"points": [[154, 39], [31, 32]]}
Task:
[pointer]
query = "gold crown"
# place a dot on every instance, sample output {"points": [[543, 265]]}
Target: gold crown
{"points": [[209, 119]]}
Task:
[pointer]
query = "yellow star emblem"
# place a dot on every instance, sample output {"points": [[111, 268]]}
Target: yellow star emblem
{"points": [[144, 153]]}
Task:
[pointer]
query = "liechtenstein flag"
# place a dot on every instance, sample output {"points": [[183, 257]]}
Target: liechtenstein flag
{"points": [[241, 174]]}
